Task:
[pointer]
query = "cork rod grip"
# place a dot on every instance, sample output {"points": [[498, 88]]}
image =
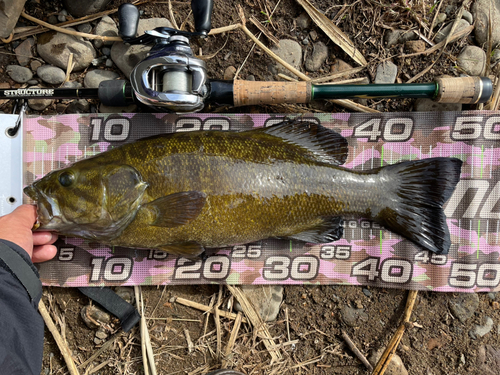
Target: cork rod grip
{"points": [[466, 90], [258, 93]]}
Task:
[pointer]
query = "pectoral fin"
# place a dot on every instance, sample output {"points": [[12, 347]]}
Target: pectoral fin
{"points": [[176, 209], [328, 231], [190, 250]]}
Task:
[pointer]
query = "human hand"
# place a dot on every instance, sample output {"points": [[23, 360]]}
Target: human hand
{"points": [[16, 227]]}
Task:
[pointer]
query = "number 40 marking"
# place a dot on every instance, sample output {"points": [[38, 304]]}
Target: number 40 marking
{"points": [[398, 129]]}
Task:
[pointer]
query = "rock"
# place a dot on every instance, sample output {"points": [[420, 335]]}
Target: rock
{"points": [[106, 51], [305, 41], [85, 28], [463, 305], [472, 60], [488, 360], [72, 85], [266, 299], [339, 66], [35, 64], [492, 295], [51, 74], [229, 73], [428, 105], [479, 331], [20, 74], [78, 106], [441, 17], [93, 316], [126, 57], [152, 23], [84, 8], [313, 35], [442, 34], [466, 15], [290, 51], [55, 48], [9, 14], [415, 46], [101, 334], [353, 317], [106, 27], [481, 9], [367, 292], [386, 72], [32, 82], [396, 366], [303, 21], [318, 57], [95, 77], [108, 109], [109, 63], [495, 56], [126, 293], [39, 104], [23, 51], [52, 19], [393, 37]]}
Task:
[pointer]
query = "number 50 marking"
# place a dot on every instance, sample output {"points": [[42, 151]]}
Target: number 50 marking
{"points": [[468, 275]]}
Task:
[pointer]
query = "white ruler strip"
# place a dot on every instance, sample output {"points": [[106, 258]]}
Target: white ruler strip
{"points": [[11, 165]]}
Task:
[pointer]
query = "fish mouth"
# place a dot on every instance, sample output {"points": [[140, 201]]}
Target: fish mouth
{"points": [[48, 215]]}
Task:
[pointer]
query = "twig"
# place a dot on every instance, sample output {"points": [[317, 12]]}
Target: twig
{"points": [[8, 40], [149, 347], [259, 325], [211, 305], [264, 31], [217, 323], [205, 308], [171, 13], [69, 67], [63, 346], [98, 352], [385, 358], [232, 339], [188, 340], [344, 73], [71, 32], [356, 351], [143, 340], [446, 41], [434, 19]]}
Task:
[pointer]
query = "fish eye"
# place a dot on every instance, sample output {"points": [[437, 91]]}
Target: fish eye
{"points": [[66, 179]]}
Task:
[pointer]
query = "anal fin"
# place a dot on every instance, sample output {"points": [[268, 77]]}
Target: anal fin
{"points": [[329, 231]]}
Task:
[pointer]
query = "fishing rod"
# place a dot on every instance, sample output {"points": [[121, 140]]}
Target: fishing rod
{"points": [[172, 79]]}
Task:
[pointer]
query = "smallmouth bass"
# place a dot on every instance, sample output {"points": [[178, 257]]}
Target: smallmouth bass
{"points": [[184, 192]]}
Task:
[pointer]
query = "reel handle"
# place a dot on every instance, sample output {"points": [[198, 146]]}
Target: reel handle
{"points": [[128, 18], [202, 13]]}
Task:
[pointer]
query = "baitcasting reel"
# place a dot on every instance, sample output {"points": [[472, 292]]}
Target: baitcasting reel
{"points": [[170, 77]]}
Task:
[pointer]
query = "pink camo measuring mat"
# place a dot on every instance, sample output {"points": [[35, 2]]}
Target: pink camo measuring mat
{"points": [[366, 255]]}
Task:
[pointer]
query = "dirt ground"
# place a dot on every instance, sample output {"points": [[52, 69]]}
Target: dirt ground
{"points": [[437, 344]]}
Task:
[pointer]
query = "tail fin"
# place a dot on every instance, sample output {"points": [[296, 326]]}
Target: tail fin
{"points": [[419, 190]]}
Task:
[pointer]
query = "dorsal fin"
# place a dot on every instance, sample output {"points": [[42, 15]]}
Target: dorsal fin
{"points": [[323, 144]]}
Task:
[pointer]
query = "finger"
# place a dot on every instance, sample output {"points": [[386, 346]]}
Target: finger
{"points": [[44, 238], [43, 253], [26, 214]]}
